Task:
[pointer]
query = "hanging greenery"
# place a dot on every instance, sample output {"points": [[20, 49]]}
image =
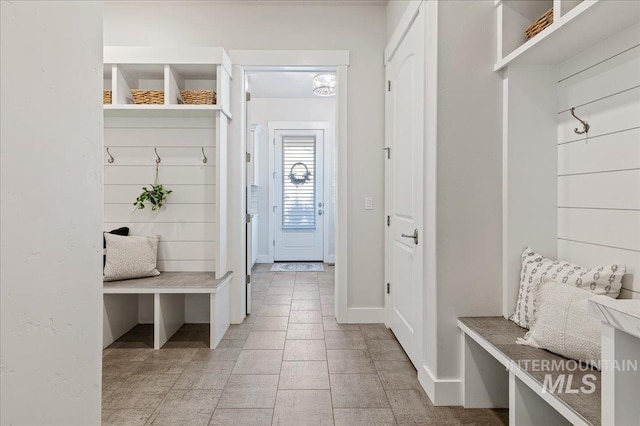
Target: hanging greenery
{"points": [[155, 196]]}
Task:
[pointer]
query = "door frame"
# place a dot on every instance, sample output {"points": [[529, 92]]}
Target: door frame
{"points": [[331, 60], [325, 126]]}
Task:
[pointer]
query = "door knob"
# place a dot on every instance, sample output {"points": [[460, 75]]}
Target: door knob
{"points": [[320, 212], [414, 236]]}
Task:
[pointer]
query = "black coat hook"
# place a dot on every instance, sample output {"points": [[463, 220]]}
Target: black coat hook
{"points": [[585, 125], [111, 159], [158, 160], [204, 157]]}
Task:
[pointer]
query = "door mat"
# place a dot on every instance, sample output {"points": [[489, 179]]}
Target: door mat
{"points": [[298, 267]]}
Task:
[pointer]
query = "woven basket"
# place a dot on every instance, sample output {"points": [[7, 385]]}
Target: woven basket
{"points": [[148, 96], [106, 97], [543, 22], [198, 97]]}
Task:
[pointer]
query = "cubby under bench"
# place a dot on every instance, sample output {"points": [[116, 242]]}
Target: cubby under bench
{"points": [[499, 373], [123, 302]]}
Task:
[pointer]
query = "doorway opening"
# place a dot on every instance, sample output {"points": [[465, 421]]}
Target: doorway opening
{"points": [[291, 175]]}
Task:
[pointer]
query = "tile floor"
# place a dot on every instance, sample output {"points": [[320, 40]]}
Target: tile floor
{"points": [[288, 363]]}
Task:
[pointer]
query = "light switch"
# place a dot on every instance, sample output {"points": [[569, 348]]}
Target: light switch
{"points": [[368, 203]]}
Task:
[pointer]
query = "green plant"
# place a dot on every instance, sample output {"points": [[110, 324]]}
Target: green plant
{"points": [[156, 196]]}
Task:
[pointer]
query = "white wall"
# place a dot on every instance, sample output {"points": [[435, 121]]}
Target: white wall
{"points": [[395, 10], [264, 110], [51, 213], [253, 26], [599, 176]]}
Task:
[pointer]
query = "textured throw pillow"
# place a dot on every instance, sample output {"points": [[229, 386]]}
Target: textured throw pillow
{"points": [[563, 324], [120, 231], [604, 280], [130, 257]]}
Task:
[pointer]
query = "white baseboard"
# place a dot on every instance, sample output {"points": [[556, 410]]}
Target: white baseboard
{"points": [[440, 392], [365, 315], [263, 258], [330, 259]]}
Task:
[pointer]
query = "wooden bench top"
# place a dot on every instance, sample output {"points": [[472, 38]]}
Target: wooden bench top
{"points": [[501, 334], [169, 282]]}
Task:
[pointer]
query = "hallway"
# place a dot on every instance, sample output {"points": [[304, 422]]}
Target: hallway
{"points": [[288, 363]]}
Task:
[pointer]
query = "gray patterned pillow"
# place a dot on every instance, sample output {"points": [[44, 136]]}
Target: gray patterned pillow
{"points": [[604, 280], [130, 257]]}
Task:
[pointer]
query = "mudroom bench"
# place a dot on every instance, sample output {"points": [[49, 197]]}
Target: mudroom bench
{"points": [[128, 302], [498, 373]]}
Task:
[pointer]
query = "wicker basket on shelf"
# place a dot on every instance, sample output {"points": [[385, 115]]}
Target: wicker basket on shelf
{"points": [[148, 96], [106, 97], [543, 22], [198, 97]]}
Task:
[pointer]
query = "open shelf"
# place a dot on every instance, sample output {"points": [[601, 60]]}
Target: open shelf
{"points": [[572, 32], [173, 110]]}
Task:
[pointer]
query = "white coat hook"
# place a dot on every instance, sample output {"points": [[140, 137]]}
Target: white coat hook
{"points": [[111, 159], [158, 160], [204, 157]]}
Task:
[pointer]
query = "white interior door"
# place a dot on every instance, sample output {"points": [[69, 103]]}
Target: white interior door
{"points": [[298, 195], [404, 187]]}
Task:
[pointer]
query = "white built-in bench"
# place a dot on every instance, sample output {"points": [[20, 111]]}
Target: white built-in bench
{"points": [[498, 373], [123, 302]]}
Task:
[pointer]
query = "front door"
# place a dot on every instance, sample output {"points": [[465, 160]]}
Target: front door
{"points": [[404, 189], [298, 195]]}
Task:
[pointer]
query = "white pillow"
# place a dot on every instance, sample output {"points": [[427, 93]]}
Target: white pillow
{"points": [[563, 324], [130, 257], [604, 280]]}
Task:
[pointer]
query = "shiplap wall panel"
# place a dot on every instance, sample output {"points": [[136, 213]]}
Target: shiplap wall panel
{"points": [[613, 228], [613, 114], [617, 151], [158, 137], [599, 175], [187, 222], [610, 190], [590, 255], [169, 231], [168, 213], [169, 175], [171, 156], [183, 194]]}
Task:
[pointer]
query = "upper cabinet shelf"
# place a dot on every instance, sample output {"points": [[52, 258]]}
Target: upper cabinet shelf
{"points": [[168, 71], [576, 25]]}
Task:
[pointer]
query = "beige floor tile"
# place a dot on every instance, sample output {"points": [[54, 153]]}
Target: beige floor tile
{"points": [[217, 354], [126, 417], [303, 407], [305, 305], [306, 277], [328, 310], [357, 391], [386, 350], [242, 417], [376, 332], [126, 355], [190, 408], [344, 339], [471, 416], [330, 323], [259, 362], [274, 311], [363, 417], [412, 406], [280, 291], [350, 362], [205, 375], [327, 299], [282, 284], [304, 375], [277, 300], [305, 317], [305, 332], [270, 324], [306, 286], [231, 344], [111, 382], [249, 391], [237, 332], [265, 340], [134, 399], [305, 350], [306, 295]]}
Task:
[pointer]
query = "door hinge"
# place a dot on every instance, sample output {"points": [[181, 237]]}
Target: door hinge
{"points": [[248, 218], [274, 175], [388, 220], [248, 279], [248, 157], [388, 152], [388, 288], [274, 141], [388, 85], [274, 243], [248, 96]]}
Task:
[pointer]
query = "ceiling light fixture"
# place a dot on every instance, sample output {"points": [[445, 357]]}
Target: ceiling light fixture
{"points": [[324, 84]]}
